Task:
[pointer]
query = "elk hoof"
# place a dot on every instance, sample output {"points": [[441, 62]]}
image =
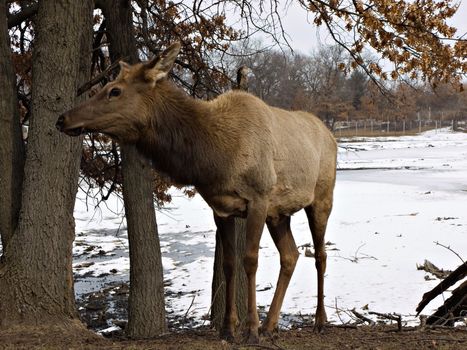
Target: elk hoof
{"points": [[271, 334], [251, 337], [320, 321], [319, 328], [266, 334], [227, 335]]}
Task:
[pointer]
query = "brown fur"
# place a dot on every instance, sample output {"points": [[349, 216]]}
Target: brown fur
{"points": [[244, 157]]}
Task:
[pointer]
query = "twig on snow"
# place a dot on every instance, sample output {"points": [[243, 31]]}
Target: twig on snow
{"points": [[345, 326], [213, 299], [338, 312], [189, 307], [363, 317], [392, 317], [450, 249]]}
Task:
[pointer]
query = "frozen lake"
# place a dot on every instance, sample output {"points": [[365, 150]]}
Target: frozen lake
{"points": [[394, 198]]}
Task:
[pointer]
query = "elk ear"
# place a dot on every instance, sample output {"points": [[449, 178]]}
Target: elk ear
{"points": [[124, 70], [160, 66]]}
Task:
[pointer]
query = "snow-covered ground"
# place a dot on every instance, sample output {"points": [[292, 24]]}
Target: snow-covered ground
{"points": [[394, 198]]}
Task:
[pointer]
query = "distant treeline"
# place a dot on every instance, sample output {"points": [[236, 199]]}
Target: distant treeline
{"points": [[316, 83]]}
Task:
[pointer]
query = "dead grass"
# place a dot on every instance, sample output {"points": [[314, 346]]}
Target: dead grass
{"points": [[364, 337], [69, 335]]}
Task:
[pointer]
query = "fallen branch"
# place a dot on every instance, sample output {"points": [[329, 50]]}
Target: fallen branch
{"points": [[452, 309], [429, 267], [363, 317], [344, 311], [265, 288], [188, 310], [213, 300], [451, 279], [345, 326], [338, 312], [392, 317], [305, 245]]}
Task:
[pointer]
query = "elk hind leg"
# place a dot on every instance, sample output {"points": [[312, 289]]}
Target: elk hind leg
{"points": [[318, 214]]}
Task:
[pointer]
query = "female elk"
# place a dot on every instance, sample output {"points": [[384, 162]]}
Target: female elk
{"points": [[244, 157]]}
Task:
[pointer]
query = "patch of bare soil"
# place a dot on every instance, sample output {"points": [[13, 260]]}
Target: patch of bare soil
{"points": [[69, 335], [362, 337]]}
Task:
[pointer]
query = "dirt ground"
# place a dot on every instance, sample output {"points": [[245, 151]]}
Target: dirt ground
{"points": [[363, 337]]}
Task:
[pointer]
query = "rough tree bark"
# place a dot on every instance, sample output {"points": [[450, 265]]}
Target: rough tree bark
{"points": [[11, 144], [36, 280], [218, 280], [146, 313]]}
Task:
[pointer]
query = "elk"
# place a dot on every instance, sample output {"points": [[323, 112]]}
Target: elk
{"points": [[244, 157]]}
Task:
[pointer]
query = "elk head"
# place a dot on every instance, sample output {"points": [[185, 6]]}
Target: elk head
{"points": [[123, 107]]}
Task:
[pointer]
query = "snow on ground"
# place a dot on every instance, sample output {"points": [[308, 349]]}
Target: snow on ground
{"points": [[394, 198]]}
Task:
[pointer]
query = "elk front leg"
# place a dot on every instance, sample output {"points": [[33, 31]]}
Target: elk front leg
{"points": [[226, 231], [257, 212]]}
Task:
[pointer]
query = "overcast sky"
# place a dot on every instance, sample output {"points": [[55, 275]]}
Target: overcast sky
{"points": [[304, 36]]}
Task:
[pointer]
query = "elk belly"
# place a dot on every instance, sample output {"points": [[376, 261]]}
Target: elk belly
{"points": [[227, 205]]}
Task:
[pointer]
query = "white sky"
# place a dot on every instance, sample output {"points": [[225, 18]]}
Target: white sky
{"points": [[304, 35]]}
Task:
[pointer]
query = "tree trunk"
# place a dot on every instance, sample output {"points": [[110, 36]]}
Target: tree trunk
{"points": [[36, 279], [146, 313], [146, 305], [11, 143], [218, 281]]}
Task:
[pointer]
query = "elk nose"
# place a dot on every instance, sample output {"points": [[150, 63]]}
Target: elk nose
{"points": [[59, 123]]}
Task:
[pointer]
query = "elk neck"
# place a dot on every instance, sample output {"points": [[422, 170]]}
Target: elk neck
{"points": [[177, 139]]}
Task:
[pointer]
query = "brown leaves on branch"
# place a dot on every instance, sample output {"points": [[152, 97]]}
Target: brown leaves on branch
{"points": [[202, 31], [101, 168], [413, 35]]}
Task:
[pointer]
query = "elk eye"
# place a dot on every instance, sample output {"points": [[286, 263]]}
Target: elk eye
{"points": [[115, 92]]}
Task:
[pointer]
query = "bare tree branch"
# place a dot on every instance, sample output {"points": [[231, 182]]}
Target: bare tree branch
{"points": [[97, 79], [16, 19]]}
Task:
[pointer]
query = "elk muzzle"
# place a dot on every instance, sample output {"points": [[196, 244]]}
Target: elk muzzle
{"points": [[61, 126], [59, 123]]}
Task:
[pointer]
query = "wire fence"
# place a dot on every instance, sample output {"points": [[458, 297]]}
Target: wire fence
{"points": [[371, 127]]}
